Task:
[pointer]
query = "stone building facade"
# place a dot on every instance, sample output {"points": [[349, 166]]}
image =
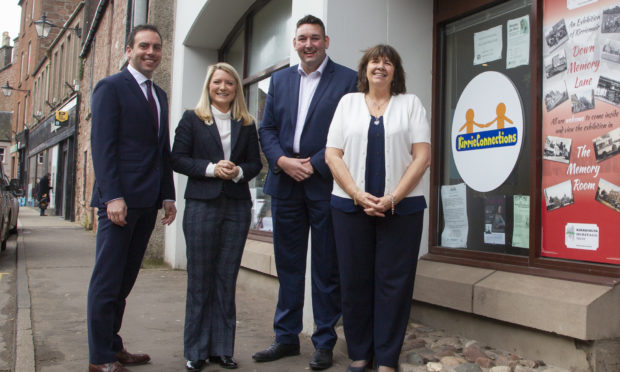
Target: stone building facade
{"points": [[103, 54]]}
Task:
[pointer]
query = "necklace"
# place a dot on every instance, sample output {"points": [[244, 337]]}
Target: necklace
{"points": [[376, 108]]}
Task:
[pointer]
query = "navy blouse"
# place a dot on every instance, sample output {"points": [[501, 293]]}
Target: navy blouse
{"points": [[375, 175]]}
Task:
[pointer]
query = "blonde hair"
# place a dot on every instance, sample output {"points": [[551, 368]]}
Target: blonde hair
{"points": [[239, 110]]}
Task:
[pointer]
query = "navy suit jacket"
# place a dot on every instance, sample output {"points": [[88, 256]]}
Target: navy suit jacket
{"points": [[277, 128], [131, 157], [197, 144]]}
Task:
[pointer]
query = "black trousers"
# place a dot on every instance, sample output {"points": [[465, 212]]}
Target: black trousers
{"points": [[215, 232], [377, 259], [118, 259]]}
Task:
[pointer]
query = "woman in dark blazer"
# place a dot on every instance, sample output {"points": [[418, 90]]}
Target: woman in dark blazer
{"points": [[216, 146]]}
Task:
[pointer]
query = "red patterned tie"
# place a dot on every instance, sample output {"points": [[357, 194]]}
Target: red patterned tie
{"points": [[151, 99]]}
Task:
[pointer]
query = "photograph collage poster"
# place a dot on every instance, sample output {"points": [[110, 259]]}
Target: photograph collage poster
{"points": [[581, 130]]}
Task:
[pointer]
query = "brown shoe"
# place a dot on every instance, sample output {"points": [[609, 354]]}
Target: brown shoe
{"points": [[128, 359], [107, 367]]}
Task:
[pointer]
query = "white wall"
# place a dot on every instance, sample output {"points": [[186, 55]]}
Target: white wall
{"points": [[189, 67], [353, 26], [406, 25]]}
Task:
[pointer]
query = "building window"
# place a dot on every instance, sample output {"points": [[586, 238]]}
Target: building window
{"points": [[489, 213], [514, 179], [259, 46], [2, 152], [40, 158]]}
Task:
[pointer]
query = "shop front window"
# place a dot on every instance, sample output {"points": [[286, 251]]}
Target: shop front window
{"points": [[258, 47], [484, 178]]}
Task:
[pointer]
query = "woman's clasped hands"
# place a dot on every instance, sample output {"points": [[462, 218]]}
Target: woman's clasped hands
{"points": [[226, 170], [373, 206]]}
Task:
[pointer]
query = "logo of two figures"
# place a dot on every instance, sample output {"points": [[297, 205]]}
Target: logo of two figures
{"points": [[501, 117]]}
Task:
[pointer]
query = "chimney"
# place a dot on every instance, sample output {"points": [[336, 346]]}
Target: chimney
{"points": [[6, 50]]}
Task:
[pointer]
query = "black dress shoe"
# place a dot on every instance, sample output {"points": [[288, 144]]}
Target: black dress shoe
{"points": [[276, 351], [224, 361], [195, 365], [322, 359], [360, 368]]}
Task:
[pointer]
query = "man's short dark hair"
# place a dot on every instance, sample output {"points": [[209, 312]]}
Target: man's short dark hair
{"points": [[131, 39], [312, 20]]}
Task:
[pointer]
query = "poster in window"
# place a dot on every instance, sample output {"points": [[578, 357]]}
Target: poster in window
{"points": [[581, 130], [495, 220]]}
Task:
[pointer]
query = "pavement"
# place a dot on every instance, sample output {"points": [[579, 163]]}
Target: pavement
{"points": [[44, 276]]}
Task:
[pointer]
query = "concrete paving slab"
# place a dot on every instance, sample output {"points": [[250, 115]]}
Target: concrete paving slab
{"points": [[8, 285], [60, 256]]}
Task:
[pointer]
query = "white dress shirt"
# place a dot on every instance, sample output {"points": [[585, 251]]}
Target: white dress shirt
{"points": [[405, 123], [222, 120], [307, 87], [141, 79]]}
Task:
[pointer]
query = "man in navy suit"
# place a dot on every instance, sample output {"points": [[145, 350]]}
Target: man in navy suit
{"points": [[298, 111], [131, 157]]}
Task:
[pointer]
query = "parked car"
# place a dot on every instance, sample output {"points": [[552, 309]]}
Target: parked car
{"points": [[14, 192], [9, 207]]}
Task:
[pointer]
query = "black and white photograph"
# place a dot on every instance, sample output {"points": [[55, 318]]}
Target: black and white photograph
{"points": [[555, 64], [582, 101], [555, 94], [608, 90], [610, 50], [608, 194], [495, 220], [557, 149], [611, 20], [558, 196], [556, 35], [607, 145]]}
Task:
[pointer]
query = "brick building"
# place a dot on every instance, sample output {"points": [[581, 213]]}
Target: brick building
{"points": [[6, 102], [42, 67], [103, 54]]}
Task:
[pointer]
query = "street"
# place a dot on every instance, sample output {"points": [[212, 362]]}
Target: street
{"points": [[44, 275]]}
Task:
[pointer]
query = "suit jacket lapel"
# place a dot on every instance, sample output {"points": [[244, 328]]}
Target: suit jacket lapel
{"points": [[163, 115], [235, 129], [212, 129], [326, 78], [294, 95], [134, 87]]}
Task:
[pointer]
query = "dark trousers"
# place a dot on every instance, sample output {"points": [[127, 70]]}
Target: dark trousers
{"points": [[377, 260], [292, 219], [118, 258], [215, 233]]}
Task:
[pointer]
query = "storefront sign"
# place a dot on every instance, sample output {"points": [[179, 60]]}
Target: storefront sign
{"points": [[581, 130], [485, 157]]}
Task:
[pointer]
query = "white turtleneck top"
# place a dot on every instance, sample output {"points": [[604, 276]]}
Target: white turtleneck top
{"points": [[222, 120]]}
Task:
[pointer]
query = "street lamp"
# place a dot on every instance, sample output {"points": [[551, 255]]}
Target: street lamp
{"points": [[7, 90], [44, 26]]}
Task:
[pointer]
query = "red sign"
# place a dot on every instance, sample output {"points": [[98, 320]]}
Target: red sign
{"points": [[581, 130]]}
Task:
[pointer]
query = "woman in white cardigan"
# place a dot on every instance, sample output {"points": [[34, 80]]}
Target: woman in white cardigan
{"points": [[378, 149]]}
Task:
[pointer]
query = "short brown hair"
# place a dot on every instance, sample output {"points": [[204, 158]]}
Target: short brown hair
{"points": [[311, 20], [131, 39], [382, 50]]}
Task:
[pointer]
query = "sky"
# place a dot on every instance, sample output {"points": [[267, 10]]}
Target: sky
{"points": [[9, 18]]}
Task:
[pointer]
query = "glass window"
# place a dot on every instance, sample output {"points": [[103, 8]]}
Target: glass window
{"points": [[471, 46], [261, 212], [235, 52], [270, 41], [268, 44]]}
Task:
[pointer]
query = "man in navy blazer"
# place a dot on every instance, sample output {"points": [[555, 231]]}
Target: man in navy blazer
{"points": [[131, 157], [293, 132]]}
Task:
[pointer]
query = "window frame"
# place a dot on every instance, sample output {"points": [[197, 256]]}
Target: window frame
{"points": [[244, 25], [446, 11]]}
